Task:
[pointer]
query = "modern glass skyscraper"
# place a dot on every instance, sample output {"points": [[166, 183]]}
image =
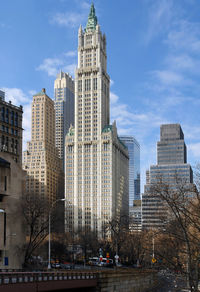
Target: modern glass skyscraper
{"points": [[96, 172], [134, 167], [171, 165], [64, 109]]}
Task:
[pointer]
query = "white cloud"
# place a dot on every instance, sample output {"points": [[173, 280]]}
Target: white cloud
{"points": [[17, 96], [181, 62], [175, 81], [160, 15], [32, 92], [192, 132], [168, 77], [70, 69], [71, 54], [194, 148], [185, 36], [26, 124], [141, 126], [64, 62], [50, 66], [130, 122], [113, 97], [72, 19], [68, 19], [111, 82], [85, 5]]}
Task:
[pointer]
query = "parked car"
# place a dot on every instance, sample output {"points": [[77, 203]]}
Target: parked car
{"points": [[66, 266], [106, 263], [55, 266], [93, 261]]}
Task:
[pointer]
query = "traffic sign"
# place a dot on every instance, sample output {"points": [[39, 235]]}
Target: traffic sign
{"points": [[154, 260]]}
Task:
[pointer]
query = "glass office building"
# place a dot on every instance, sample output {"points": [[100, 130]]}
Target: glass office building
{"points": [[134, 167], [171, 167]]}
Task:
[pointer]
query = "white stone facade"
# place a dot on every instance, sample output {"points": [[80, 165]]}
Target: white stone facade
{"points": [[96, 172]]}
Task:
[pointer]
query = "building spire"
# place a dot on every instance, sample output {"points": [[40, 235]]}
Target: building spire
{"points": [[92, 19]]}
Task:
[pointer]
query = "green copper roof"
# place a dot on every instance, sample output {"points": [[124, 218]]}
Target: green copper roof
{"points": [[107, 128], [71, 131], [92, 19], [40, 93]]}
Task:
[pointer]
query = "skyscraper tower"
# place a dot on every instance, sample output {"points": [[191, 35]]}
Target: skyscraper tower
{"points": [[135, 212], [171, 165], [96, 176], [64, 109], [134, 167], [40, 160]]}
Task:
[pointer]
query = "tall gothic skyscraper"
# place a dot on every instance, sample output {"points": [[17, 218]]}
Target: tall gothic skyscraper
{"points": [[96, 173], [64, 109]]}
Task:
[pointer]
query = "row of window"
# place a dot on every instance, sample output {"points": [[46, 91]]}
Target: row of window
{"points": [[9, 144], [8, 130], [9, 116], [87, 84]]}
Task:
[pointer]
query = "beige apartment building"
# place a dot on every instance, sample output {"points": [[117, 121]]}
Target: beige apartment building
{"points": [[96, 171], [40, 160]]}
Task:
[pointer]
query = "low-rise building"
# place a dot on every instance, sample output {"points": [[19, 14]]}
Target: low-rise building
{"points": [[12, 237], [11, 129]]}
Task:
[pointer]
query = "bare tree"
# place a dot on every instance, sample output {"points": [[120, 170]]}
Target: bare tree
{"points": [[35, 211], [134, 247], [88, 241], [118, 228], [181, 202]]}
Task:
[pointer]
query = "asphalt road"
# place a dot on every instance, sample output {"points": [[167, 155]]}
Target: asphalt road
{"points": [[169, 282]]}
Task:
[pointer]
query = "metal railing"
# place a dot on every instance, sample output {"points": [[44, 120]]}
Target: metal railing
{"points": [[28, 277]]}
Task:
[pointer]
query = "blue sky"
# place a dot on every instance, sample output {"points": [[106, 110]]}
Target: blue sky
{"points": [[153, 49]]}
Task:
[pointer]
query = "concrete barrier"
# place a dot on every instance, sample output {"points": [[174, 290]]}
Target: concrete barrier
{"points": [[126, 280]]}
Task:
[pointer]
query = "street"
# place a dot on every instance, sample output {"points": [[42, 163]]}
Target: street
{"points": [[170, 282]]}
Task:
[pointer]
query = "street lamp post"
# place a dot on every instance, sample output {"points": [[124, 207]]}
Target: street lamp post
{"points": [[116, 255], [153, 246], [49, 260]]}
